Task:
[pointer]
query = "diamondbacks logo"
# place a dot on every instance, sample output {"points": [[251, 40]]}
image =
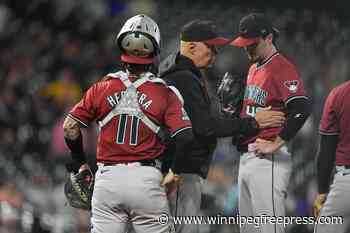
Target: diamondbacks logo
{"points": [[292, 85]]}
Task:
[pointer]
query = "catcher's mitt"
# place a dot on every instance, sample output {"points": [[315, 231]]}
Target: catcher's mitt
{"points": [[79, 188], [231, 93]]}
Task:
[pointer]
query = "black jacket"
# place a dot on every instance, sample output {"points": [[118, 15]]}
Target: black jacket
{"points": [[180, 72]]}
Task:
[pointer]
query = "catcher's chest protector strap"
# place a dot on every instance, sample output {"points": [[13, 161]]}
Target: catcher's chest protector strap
{"points": [[128, 104]]}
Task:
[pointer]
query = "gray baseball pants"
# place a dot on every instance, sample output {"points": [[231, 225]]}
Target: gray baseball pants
{"points": [[262, 184], [337, 204], [129, 194]]}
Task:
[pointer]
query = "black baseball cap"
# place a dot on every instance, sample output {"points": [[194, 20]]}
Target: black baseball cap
{"points": [[251, 28], [202, 31]]}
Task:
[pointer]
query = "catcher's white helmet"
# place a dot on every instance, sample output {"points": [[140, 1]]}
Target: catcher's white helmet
{"points": [[139, 39]]}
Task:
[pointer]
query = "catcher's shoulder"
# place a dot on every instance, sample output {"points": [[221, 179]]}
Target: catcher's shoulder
{"points": [[111, 76]]}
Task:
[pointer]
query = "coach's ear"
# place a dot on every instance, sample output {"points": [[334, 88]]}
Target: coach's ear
{"points": [[269, 38], [192, 47]]}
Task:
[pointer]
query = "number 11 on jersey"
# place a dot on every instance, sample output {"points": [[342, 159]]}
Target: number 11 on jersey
{"points": [[123, 120]]}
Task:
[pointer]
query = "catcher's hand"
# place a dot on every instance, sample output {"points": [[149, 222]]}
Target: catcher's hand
{"points": [[231, 92], [318, 203], [79, 188], [170, 181]]}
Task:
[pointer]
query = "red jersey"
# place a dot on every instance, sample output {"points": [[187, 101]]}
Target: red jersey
{"points": [[273, 83], [126, 138], [336, 121]]}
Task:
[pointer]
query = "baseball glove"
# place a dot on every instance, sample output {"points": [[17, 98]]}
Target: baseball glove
{"points": [[231, 92], [78, 189]]}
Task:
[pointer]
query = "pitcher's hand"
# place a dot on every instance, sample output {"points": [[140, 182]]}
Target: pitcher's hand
{"points": [[264, 147]]}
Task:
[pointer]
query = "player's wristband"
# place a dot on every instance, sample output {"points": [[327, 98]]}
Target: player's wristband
{"points": [[76, 148]]}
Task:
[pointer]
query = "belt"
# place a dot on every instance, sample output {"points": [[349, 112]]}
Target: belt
{"points": [[342, 167], [147, 162], [242, 148]]}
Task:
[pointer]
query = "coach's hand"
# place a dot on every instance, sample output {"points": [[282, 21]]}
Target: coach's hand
{"points": [[170, 181], [318, 203], [268, 118]]}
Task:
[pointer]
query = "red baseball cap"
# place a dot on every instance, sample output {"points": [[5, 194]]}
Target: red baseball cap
{"points": [[251, 28], [244, 42], [202, 31]]}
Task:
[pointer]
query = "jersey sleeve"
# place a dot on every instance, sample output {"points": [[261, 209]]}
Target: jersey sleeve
{"points": [[85, 111], [289, 84], [176, 118], [329, 124]]}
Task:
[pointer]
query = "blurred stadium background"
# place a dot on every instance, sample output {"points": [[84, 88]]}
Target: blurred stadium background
{"points": [[52, 50]]}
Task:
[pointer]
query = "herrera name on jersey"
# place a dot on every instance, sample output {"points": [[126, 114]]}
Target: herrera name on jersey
{"points": [[143, 100]]}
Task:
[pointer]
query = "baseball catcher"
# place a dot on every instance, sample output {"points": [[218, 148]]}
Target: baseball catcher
{"points": [[130, 107]]}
